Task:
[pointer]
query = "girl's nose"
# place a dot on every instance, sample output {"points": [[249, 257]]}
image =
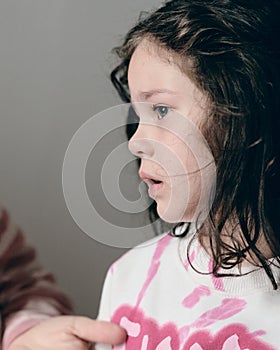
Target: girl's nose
{"points": [[140, 144]]}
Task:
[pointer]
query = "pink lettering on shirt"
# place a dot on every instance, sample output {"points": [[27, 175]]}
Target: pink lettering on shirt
{"points": [[232, 337], [144, 333], [192, 299], [228, 308], [155, 263], [217, 281]]}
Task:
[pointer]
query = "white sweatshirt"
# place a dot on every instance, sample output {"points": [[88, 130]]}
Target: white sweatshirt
{"points": [[164, 303]]}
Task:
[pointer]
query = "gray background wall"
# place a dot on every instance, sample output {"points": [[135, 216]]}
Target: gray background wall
{"points": [[54, 65]]}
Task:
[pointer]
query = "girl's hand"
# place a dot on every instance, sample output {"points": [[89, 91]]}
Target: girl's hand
{"points": [[69, 333]]}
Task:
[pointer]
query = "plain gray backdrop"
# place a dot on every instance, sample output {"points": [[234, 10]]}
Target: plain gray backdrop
{"points": [[55, 60]]}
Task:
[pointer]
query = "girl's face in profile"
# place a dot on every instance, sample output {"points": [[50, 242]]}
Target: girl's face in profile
{"points": [[176, 162]]}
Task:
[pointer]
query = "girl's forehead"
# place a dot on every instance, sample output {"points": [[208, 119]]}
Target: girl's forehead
{"points": [[150, 70], [149, 48], [149, 67]]}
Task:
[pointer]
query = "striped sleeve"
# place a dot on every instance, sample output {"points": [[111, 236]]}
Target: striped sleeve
{"points": [[28, 294]]}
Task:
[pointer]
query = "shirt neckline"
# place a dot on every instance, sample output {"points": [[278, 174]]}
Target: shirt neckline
{"points": [[249, 279]]}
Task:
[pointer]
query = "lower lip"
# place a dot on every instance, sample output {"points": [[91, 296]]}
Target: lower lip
{"points": [[154, 189]]}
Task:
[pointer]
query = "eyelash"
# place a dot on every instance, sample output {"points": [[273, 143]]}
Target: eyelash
{"points": [[157, 108]]}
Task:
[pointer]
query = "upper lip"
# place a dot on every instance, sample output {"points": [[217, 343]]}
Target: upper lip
{"points": [[146, 177]]}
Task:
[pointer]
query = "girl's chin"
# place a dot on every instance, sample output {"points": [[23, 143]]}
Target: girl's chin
{"points": [[174, 215], [170, 215]]}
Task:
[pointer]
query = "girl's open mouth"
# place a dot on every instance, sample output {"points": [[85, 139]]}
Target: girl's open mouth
{"points": [[156, 181], [154, 187]]}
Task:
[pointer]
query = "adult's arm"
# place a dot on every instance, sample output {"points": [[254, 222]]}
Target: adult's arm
{"points": [[28, 294]]}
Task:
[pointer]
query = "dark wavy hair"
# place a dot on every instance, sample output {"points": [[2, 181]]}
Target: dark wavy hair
{"points": [[234, 48]]}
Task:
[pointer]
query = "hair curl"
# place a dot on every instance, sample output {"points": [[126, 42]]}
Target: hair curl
{"points": [[234, 48]]}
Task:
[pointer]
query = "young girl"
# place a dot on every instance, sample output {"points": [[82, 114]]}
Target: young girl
{"points": [[197, 70]]}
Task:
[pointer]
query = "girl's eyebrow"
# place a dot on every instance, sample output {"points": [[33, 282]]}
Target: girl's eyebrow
{"points": [[146, 95]]}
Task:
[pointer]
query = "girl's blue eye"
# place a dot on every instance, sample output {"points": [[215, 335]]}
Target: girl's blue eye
{"points": [[161, 110]]}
